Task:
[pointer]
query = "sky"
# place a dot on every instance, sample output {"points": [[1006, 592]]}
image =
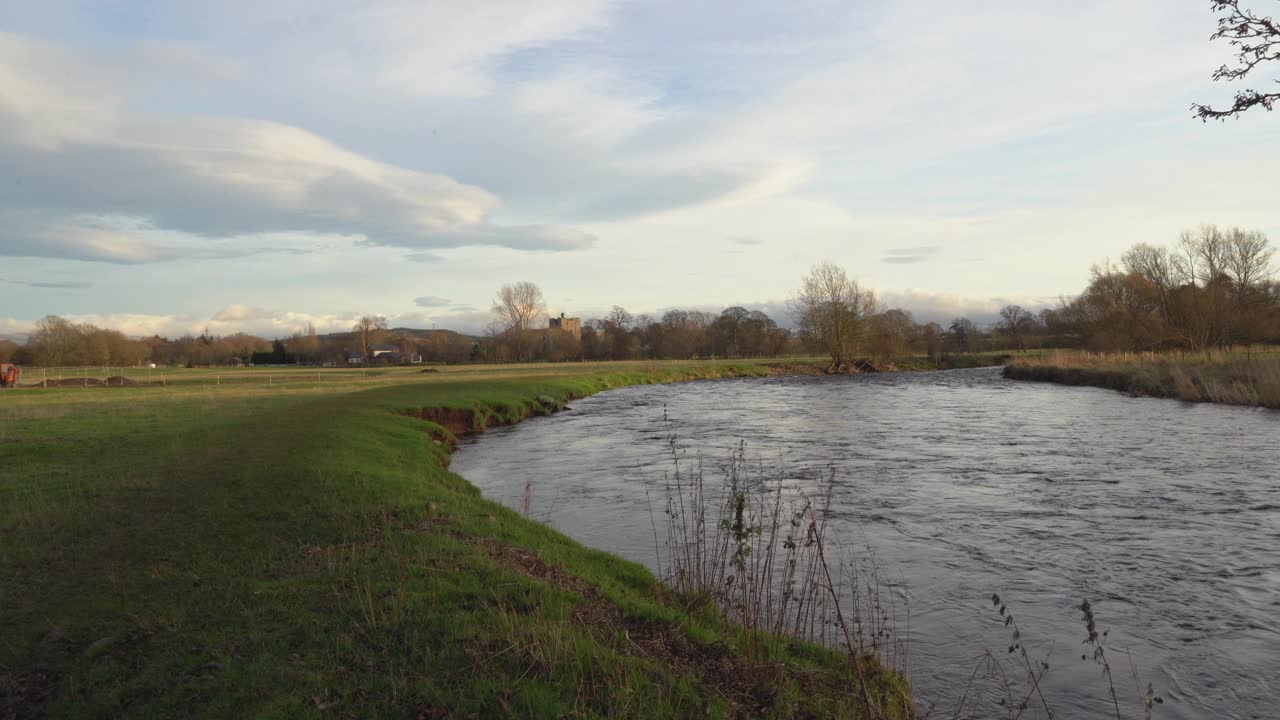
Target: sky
{"points": [[167, 167]]}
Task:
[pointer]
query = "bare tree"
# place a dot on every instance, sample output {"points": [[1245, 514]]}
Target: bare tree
{"points": [[367, 329], [931, 334], [831, 311], [685, 333], [1257, 41], [1159, 268], [55, 342], [1016, 321], [1201, 255], [1202, 302], [891, 333], [620, 318], [518, 306], [1248, 258], [304, 344], [516, 309], [1248, 265], [616, 331], [965, 335]]}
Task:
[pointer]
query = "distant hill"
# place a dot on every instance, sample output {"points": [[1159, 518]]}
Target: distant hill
{"points": [[21, 338], [416, 332]]}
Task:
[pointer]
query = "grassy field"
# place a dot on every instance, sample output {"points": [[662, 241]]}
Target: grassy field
{"points": [[1236, 377], [299, 549], [324, 378]]}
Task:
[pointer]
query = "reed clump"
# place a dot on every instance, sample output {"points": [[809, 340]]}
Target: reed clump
{"points": [[760, 555], [1235, 376], [748, 547]]}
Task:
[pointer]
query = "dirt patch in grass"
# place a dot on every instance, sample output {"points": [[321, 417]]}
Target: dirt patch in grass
{"points": [[461, 421], [458, 421], [26, 695], [749, 686]]}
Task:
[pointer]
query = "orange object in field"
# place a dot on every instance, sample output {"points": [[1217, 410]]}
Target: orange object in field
{"points": [[8, 375]]}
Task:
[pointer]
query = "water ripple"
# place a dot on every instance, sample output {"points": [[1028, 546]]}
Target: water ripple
{"points": [[1164, 514]]}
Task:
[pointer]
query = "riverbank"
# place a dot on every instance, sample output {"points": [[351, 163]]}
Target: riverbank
{"points": [[1235, 378], [304, 552], [908, 363]]}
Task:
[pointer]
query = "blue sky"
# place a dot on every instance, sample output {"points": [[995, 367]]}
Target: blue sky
{"points": [[172, 166]]}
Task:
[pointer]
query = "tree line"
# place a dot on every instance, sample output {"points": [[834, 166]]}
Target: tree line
{"points": [[58, 342], [833, 316], [735, 332], [518, 333], [1213, 288]]}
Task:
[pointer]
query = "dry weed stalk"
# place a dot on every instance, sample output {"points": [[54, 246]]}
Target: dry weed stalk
{"points": [[1021, 690], [762, 557]]}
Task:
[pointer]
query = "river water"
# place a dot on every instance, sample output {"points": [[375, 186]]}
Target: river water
{"points": [[1165, 515]]}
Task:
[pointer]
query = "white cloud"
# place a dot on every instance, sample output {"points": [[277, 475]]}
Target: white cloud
{"points": [[1023, 139], [71, 151], [929, 306], [264, 322], [48, 284], [915, 81], [228, 320], [589, 104], [131, 240], [448, 48], [909, 255], [430, 301], [14, 329], [424, 257]]}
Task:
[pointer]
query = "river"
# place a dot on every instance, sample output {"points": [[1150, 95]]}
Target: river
{"points": [[1165, 515]]}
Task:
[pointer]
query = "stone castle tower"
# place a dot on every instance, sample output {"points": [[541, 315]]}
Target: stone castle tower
{"points": [[573, 326]]}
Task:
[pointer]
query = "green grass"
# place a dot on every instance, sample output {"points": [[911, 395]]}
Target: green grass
{"points": [[300, 550], [301, 377], [1235, 377]]}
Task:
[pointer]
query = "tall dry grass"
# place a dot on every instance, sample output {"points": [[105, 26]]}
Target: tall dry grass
{"points": [[1233, 376], [762, 557]]}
